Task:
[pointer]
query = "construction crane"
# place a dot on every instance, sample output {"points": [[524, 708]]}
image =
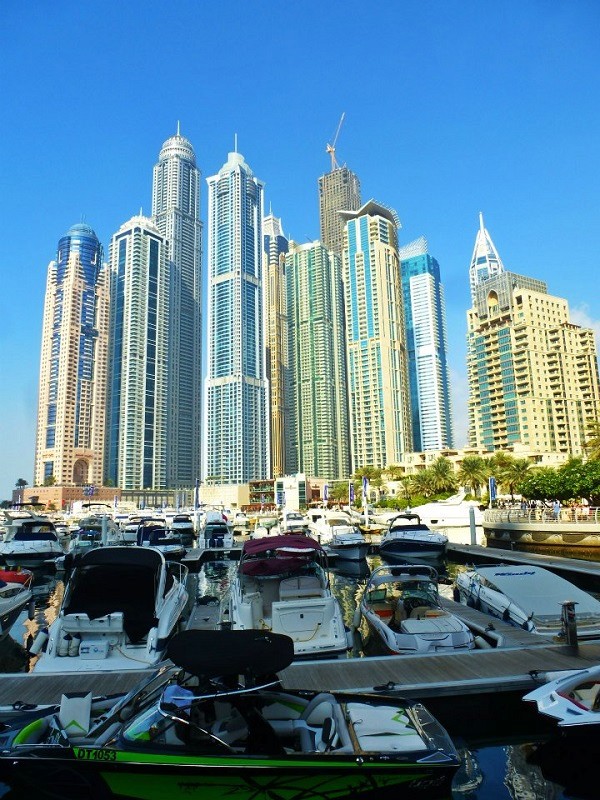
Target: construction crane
{"points": [[331, 147]]}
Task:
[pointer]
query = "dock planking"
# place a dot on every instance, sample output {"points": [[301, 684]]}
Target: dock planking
{"points": [[422, 676]]}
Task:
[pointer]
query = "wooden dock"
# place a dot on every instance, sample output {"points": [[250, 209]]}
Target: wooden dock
{"points": [[471, 672]]}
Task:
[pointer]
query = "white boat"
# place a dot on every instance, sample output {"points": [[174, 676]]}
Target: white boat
{"points": [[348, 543], [15, 594], [404, 615], [182, 525], [409, 537], [573, 698], [240, 520], [152, 533], [120, 608], [528, 597], [282, 585], [30, 542], [292, 520], [216, 533], [454, 512]]}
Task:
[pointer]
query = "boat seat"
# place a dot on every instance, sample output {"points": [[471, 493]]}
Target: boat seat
{"points": [[316, 729], [300, 586]]}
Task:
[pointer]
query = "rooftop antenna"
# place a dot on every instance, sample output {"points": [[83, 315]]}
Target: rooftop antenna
{"points": [[331, 147], [481, 225], [178, 134], [235, 142]]}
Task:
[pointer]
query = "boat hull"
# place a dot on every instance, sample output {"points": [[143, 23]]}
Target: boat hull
{"points": [[103, 773], [412, 549]]}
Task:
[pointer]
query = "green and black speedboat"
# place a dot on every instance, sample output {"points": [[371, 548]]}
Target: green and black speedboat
{"points": [[214, 722]]}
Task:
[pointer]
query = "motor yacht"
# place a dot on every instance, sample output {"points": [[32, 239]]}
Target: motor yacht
{"points": [[404, 615], [30, 542], [182, 525], [282, 585], [120, 608], [409, 537]]}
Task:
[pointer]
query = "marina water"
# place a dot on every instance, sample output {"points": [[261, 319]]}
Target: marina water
{"points": [[502, 768]]}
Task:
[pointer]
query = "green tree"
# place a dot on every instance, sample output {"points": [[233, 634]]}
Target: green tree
{"points": [[423, 482], [21, 483], [514, 474], [443, 476], [473, 472], [49, 480], [338, 492]]}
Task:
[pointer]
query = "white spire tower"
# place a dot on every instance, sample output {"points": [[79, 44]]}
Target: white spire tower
{"points": [[485, 260]]}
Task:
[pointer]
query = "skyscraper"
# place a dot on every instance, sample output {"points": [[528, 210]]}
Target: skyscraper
{"points": [[485, 261], [318, 361], [338, 190], [426, 342], [276, 325], [380, 427], [136, 456], [72, 388], [175, 209], [237, 430], [533, 375]]}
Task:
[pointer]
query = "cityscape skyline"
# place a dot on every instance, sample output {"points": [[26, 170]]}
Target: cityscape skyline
{"points": [[523, 161]]}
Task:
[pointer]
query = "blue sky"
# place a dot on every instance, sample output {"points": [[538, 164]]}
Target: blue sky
{"points": [[452, 107]]}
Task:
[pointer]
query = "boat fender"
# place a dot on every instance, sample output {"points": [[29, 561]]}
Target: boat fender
{"points": [[74, 645], [31, 609], [62, 648], [356, 618], [39, 642], [456, 594], [481, 643]]}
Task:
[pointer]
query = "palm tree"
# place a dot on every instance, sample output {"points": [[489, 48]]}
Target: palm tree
{"points": [[443, 477], [21, 483], [515, 473], [423, 482], [473, 472]]}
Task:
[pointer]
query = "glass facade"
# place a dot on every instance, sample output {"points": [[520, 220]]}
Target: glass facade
{"points": [[426, 341], [237, 429], [73, 362]]}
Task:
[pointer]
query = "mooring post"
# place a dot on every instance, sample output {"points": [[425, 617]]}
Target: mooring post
{"points": [[569, 622], [472, 525]]}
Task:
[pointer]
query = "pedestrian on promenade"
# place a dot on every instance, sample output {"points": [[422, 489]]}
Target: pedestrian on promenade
{"points": [[556, 509]]}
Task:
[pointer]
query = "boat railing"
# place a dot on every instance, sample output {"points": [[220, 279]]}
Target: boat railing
{"points": [[582, 515]]}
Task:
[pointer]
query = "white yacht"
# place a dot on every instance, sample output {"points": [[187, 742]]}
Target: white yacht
{"points": [[120, 608], [282, 586], [30, 541]]}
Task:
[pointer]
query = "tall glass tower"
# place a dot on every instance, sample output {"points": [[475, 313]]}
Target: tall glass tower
{"points": [[175, 209], [237, 431], [72, 388], [318, 361], [380, 429], [338, 190], [138, 373], [278, 373], [426, 341]]}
